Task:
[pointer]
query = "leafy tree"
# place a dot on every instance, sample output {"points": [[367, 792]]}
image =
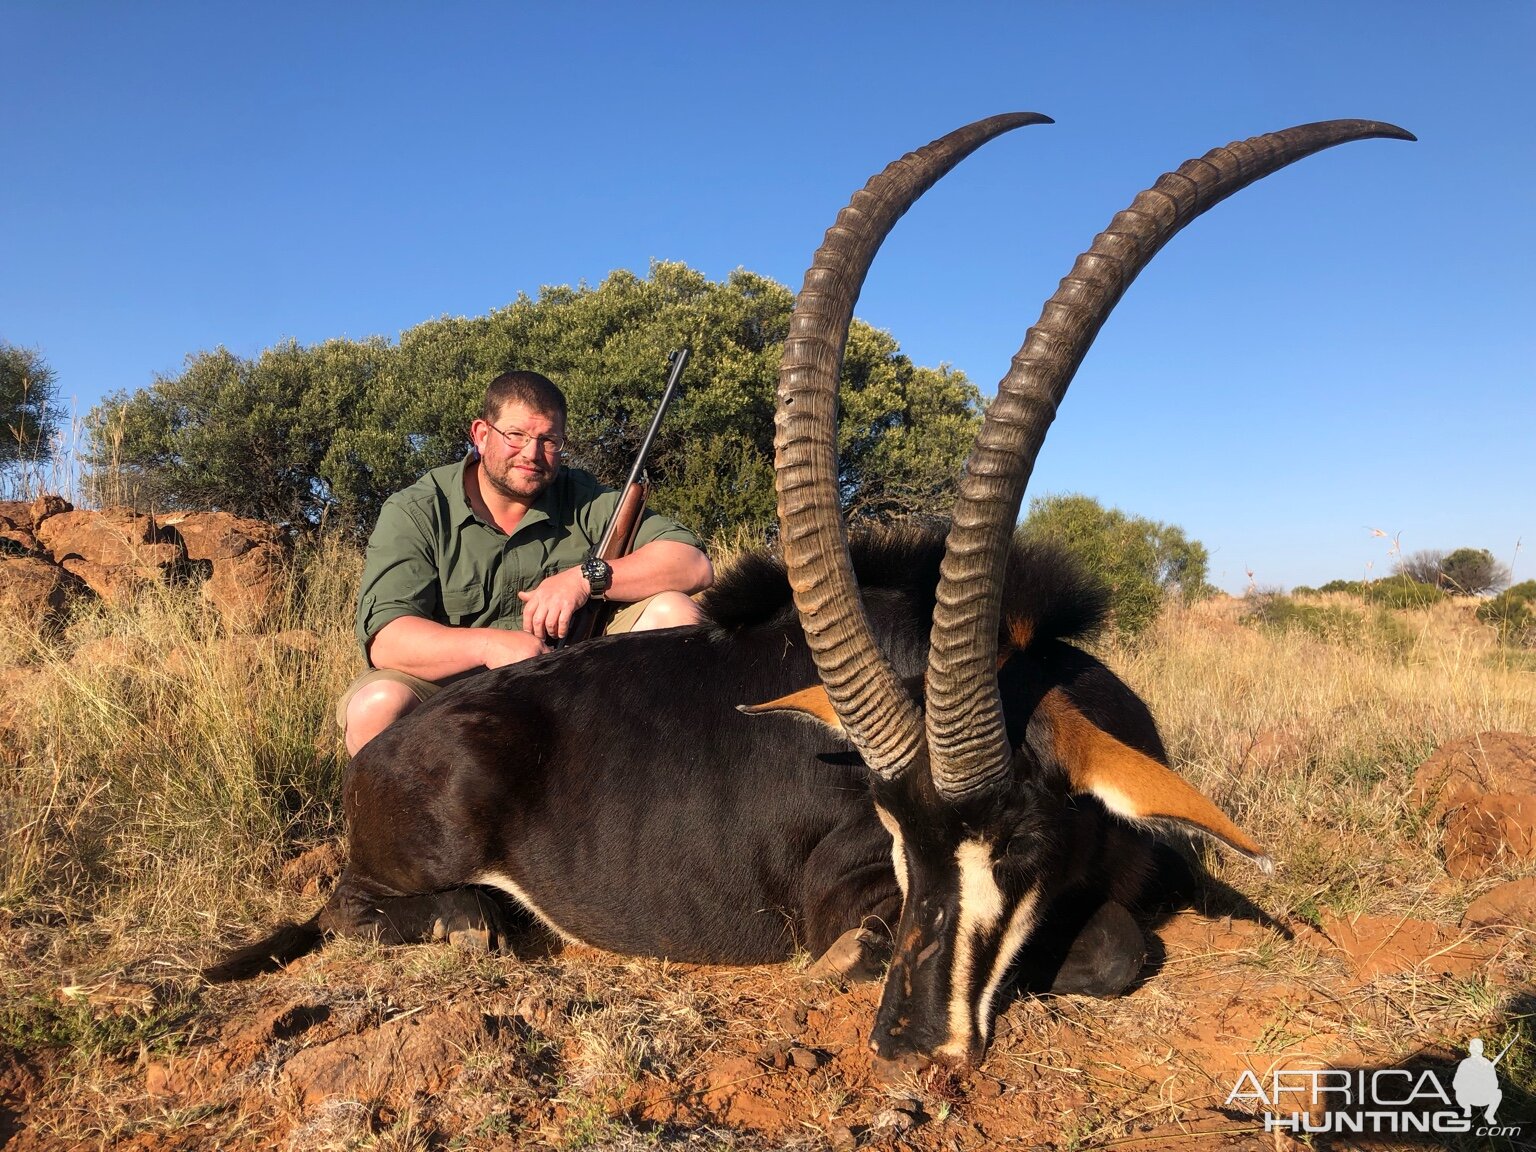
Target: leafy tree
{"points": [[1473, 571], [306, 434], [1142, 561], [28, 405]]}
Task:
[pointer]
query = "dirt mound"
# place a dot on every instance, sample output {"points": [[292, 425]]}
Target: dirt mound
{"points": [[1482, 793]]}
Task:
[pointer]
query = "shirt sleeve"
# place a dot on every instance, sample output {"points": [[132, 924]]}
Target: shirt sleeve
{"points": [[655, 526], [399, 573]]}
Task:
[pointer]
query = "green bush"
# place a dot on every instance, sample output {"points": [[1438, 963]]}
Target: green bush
{"points": [[1401, 592], [1513, 613], [1353, 587], [1394, 592], [1331, 623], [1143, 562]]}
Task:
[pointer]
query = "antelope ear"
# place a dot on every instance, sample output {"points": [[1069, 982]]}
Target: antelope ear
{"points": [[1134, 785], [811, 703]]}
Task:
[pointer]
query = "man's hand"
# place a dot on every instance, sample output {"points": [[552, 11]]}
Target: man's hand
{"points": [[501, 646], [547, 610]]}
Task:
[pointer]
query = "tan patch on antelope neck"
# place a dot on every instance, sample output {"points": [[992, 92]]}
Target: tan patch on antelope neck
{"points": [[1133, 784], [811, 702]]}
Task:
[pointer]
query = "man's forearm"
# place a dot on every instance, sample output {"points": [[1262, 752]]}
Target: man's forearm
{"points": [[427, 649], [660, 566]]}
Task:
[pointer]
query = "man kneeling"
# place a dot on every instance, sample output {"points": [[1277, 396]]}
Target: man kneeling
{"points": [[484, 562]]}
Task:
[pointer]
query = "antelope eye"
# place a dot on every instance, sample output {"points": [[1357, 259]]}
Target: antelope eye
{"points": [[1018, 845]]}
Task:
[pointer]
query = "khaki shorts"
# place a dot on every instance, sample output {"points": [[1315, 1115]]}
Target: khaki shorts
{"points": [[623, 620]]}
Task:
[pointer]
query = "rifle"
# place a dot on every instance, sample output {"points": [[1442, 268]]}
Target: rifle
{"points": [[619, 536]]}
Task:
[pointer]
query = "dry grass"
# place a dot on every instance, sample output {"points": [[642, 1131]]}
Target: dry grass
{"points": [[154, 769], [1311, 744]]}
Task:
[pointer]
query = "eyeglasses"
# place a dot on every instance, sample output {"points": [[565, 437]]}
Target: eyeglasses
{"points": [[517, 440]]}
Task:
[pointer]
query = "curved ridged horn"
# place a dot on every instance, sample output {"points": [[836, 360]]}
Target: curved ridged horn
{"points": [[874, 708], [967, 745]]}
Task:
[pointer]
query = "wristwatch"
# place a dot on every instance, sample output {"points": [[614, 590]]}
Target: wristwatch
{"points": [[598, 574]]}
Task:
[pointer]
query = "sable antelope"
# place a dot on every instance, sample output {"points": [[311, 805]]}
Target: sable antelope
{"points": [[930, 756]]}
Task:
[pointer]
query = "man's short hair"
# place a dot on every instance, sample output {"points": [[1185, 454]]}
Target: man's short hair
{"points": [[530, 389]]}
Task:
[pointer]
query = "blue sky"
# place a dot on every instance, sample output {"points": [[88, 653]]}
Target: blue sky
{"points": [[1347, 346]]}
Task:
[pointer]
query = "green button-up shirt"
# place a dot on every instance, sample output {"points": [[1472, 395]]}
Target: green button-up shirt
{"points": [[431, 556]]}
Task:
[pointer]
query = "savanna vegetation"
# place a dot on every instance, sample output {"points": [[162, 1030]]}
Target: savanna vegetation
{"points": [[159, 779], [166, 786]]}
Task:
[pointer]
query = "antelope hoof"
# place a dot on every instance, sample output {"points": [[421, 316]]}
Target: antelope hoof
{"points": [[1106, 957], [858, 955]]}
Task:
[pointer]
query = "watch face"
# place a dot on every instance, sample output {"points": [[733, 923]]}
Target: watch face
{"points": [[597, 572]]}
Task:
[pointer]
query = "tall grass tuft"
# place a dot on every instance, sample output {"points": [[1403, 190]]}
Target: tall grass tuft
{"points": [[154, 766]]}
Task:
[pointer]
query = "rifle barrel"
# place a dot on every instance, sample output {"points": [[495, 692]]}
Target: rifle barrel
{"points": [[677, 360]]}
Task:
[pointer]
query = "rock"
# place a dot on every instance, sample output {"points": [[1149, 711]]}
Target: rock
{"points": [[107, 652], [314, 868], [115, 583], [16, 540], [1386, 945], [28, 514], [218, 535], [296, 640], [805, 1059], [1482, 792], [1495, 831], [1509, 905], [418, 1054], [892, 1120], [111, 536], [34, 588], [248, 590]]}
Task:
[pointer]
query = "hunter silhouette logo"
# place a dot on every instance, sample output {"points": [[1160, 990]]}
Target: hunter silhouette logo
{"points": [[1477, 1084], [1397, 1100]]}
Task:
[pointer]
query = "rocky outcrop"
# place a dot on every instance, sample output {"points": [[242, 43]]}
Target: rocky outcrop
{"points": [[51, 552]]}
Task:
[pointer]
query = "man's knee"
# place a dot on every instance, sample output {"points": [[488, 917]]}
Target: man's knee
{"points": [[374, 708], [668, 610]]}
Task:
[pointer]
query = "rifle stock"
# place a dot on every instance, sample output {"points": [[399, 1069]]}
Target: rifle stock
{"points": [[618, 540]]}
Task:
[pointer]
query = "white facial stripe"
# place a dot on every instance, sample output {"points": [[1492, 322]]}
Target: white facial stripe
{"points": [[898, 848], [504, 882], [1020, 924], [981, 907]]}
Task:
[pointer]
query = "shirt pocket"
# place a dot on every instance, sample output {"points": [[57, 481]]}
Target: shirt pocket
{"points": [[464, 605]]}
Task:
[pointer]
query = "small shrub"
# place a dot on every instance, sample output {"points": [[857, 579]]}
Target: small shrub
{"points": [[1513, 613], [1402, 593], [1399, 592], [1331, 622], [1352, 587]]}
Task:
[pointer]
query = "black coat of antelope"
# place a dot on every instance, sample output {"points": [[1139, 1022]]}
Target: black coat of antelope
{"points": [[902, 772]]}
